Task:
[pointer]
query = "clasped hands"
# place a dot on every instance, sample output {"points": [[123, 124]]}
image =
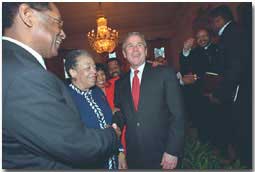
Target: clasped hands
{"points": [[122, 158], [116, 129]]}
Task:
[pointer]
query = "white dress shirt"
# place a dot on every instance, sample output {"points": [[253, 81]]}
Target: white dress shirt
{"points": [[139, 74], [37, 56]]}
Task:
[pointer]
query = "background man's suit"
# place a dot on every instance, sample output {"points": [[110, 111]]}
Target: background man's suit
{"points": [[231, 43], [201, 113], [158, 125], [201, 60], [42, 128], [238, 71]]}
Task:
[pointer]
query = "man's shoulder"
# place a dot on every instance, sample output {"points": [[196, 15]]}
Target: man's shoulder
{"points": [[232, 31], [16, 71], [162, 70]]}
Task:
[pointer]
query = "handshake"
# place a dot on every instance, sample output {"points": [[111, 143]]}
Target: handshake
{"points": [[116, 129]]}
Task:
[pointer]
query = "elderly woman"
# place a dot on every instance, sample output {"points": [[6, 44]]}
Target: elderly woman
{"points": [[90, 100]]}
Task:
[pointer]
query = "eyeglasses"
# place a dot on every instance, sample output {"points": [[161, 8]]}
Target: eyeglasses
{"points": [[55, 20]]}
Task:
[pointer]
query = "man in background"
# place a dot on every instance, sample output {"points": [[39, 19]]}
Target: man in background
{"points": [[114, 67], [196, 62], [236, 76]]}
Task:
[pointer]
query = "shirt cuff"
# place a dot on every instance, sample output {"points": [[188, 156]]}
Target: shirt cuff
{"points": [[179, 76], [121, 149], [181, 82]]}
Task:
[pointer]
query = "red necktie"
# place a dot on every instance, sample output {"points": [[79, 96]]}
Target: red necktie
{"points": [[135, 90]]}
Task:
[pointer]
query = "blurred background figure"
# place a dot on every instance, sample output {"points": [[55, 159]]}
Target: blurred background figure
{"points": [[237, 52], [114, 67], [199, 57], [244, 102]]}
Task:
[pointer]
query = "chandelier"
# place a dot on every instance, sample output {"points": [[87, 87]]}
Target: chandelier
{"points": [[104, 39]]}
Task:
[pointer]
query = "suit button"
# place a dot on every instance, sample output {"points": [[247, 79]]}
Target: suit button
{"points": [[138, 124]]}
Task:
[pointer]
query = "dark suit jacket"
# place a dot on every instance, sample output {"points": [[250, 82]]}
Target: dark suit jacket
{"points": [[232, 45], [158, 125], [42, 128], [200, 61]]}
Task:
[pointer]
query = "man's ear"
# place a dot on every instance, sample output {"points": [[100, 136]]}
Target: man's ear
{"points": [[146, 51], [124, 54], [26, 14]]}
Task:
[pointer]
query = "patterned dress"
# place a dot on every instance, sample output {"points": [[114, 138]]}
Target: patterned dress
{"points": [[95, 113]]}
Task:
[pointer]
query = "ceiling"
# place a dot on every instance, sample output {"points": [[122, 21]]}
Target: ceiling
{"points": [[124, 16], [156, 20], [153, 19]]}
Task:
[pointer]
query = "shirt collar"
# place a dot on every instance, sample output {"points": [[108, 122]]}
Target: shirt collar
{"points": [[206, 47], [223, 28], [140, 68], [30, 50]]}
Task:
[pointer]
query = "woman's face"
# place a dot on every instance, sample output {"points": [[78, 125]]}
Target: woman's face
{"points": [[84, 74], [101, 79]]}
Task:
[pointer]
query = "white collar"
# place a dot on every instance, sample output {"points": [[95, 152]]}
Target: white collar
{"points": [[140, 68], [29, 49], [223, 28], [206, 47]]}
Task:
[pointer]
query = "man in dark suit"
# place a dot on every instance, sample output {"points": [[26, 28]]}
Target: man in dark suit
{"points": [[149, 97], [42, 128], [195, 63], [231, 43], [244, 100], [236, 53], [205, 57]]}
